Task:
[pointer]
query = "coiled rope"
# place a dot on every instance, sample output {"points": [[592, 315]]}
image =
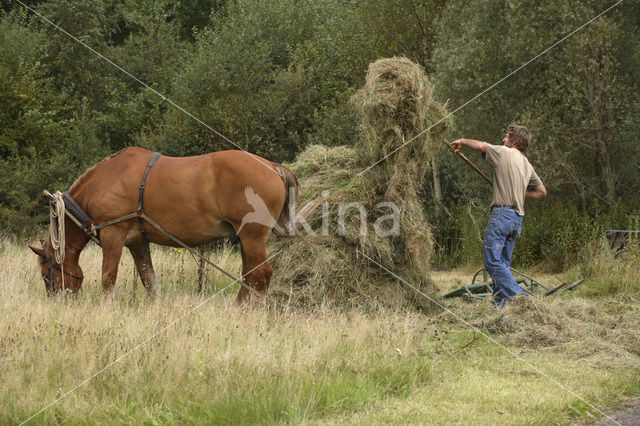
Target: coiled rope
{"points": [[56, 230]]}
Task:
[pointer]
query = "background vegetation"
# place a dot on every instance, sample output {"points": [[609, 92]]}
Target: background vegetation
{"points": [[276, 76]]}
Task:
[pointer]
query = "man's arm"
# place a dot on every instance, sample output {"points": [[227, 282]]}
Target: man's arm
{"points": [[470, 143], [536, 193]]}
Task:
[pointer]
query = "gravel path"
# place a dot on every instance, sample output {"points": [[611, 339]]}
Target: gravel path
{"points": [[626, 417]]}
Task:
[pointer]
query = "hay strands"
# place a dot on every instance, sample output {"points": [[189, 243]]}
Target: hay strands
{"points": [[466, 160]]}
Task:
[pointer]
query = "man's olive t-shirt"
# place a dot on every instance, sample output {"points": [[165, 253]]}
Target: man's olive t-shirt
{"points": [[513, 175]]}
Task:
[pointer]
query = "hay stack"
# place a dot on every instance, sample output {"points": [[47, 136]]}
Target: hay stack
{"points": [[395, 105]]}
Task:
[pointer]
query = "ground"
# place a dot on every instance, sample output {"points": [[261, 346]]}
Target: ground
{"points": [[627, 417], [192, 358]]}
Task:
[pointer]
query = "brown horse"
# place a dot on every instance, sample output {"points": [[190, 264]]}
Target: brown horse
{"points": [[194, 199]]}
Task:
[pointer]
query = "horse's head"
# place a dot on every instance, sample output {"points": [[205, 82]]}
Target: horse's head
{"points": [[58, 278]]}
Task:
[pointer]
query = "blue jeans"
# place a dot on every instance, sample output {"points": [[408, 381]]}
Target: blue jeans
{"points": [[499, 238]]}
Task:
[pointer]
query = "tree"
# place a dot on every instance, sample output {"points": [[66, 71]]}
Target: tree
{"points": [[247, 81], [39, 145], [576, 98]]}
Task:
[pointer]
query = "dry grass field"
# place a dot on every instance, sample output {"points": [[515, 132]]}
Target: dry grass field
{"points": [[212, 362]]}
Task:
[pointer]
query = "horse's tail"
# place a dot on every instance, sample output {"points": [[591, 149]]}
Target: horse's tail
{"points": [[291, 186]]}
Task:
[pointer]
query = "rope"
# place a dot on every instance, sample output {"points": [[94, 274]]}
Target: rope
{"points": [[56, 230], [56, 226]]}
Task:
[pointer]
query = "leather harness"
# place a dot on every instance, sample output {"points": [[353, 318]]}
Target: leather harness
{"points": [[50, 267], [89, 227], [92, 231], [150, 164]]}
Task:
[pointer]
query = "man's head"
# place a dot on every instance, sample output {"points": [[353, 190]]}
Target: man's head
{"points": [[517, 137]]}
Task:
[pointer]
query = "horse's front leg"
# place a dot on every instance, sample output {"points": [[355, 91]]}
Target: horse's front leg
{"points": [[256, 270], [112, 241], [142, 259], [243, 293]]}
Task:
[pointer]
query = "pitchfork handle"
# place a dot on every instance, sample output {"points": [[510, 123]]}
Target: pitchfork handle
{"points": [[466, 160]]}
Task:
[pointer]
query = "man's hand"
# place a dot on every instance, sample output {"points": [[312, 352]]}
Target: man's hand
{"points": [[456, 146]]}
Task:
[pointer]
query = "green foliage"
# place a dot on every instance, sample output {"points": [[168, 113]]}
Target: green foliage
{"points": [[458, 235], [554, 234], [277, 76], [577, 98], [264, 74], [62, 107], [607, 274], [272, 75], [33, 126], [240, 84]]}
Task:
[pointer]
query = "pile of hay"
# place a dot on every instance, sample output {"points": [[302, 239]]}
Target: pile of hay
{"points": [[395, 106]]}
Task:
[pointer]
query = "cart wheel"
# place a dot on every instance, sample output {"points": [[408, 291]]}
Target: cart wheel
{"points": [[475, 275]]}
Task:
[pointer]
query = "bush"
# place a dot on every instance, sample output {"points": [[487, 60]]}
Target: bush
{"points": [[554, 234]]}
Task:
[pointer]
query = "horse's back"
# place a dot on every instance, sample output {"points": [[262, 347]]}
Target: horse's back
{"points": [[187, 196]]}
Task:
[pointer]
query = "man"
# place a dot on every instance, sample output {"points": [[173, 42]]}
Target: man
{"points": [[514, 181]]}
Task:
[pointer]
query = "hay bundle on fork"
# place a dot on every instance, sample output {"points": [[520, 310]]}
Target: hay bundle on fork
{"points": [[396, 109]]}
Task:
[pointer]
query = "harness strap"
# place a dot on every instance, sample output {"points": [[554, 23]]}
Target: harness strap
{"points": [[49, 270], [50, 267], [67, 273], [82, 219], [150, 164], [114, 221]]}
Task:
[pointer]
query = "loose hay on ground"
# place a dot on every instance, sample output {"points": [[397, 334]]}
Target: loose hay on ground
{"points": [[586, 329]]}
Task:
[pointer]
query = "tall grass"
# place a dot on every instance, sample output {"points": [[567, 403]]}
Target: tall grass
{"points": [[607, 274], [220, 363]]}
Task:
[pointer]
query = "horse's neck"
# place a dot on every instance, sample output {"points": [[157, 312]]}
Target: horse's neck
{"points": [[75, 239], [83, 189], [80, 189]]}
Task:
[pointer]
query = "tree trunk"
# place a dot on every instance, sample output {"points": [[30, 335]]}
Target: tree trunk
{"points": [[437, 189]]}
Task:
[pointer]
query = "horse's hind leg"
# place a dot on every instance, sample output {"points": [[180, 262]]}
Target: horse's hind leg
{"points": [[142, 259], [256, 270]]}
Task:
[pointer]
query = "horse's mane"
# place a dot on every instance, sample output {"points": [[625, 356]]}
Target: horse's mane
{"points": [[88, 174]]}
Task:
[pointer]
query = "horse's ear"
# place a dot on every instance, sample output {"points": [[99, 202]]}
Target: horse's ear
{"points": [[37, 251]]}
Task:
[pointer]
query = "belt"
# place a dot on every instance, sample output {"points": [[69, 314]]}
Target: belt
{"points": [[503, 206]]}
